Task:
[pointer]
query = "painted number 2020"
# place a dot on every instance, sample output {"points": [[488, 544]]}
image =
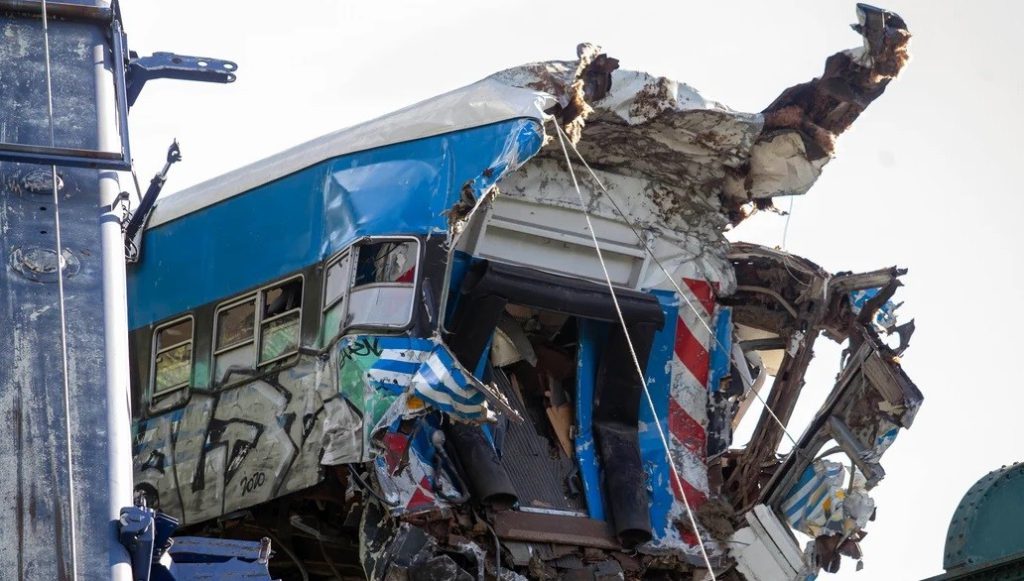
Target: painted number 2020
{"points": [[251, 483]]}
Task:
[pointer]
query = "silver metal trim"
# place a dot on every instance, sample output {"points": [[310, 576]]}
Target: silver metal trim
{"points": [[273, 318], [554, 511]]}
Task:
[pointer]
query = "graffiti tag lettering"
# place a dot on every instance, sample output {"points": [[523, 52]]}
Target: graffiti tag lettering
{"points": [[360, 347], [251, 483]]}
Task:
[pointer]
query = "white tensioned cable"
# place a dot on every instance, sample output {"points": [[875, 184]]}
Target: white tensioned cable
{"points": [[632, 352], [785, 229], [650, 252], [60, 295]]}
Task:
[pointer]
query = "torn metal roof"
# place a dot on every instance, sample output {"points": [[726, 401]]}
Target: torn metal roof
{"points": [[637, 124]]}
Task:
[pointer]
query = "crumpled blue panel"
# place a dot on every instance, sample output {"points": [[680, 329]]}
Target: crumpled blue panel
{"points": [[427, 369], [652, 448], [408, 188], [290, 223]]}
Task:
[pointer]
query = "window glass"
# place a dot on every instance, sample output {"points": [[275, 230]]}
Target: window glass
{"points": [[280, 337], [174, 334], [172, 367], [228, 362], [279, 326], [282, 298], [380, 306], [386, 262], [334, 320], [235, 325], [337, 280]]}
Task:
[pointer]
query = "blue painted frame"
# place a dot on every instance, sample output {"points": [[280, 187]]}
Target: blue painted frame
{"points": [[652, 449]]}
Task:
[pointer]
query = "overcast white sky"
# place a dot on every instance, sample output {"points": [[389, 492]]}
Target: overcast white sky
{"points": [[925, 179]]}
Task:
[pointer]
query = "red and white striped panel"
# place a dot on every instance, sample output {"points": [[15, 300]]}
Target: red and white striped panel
{"points": [[688, 397]]}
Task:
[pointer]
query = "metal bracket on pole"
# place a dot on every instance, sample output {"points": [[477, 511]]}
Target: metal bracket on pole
{"points": [[146, 534], [167, 65], [137, 531]]}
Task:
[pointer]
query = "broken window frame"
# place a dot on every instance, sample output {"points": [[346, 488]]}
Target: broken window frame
{"points": [[350, 286], [871, 368], [157, 350]]}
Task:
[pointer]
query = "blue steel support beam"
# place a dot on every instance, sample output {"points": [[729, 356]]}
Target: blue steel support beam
{"points": [[592, 334], [652, 449]]}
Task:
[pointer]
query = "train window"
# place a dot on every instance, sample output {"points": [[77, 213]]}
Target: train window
{"points": [[235, 324], [383, 286], [172, 361], [279, 324], [234, 346], [386, 262], [337, 278]]}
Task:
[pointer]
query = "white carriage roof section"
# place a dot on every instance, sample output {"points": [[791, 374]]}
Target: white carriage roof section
{"points": [[482, 103]]}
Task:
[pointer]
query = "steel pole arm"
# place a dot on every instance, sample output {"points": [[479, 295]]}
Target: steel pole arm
{"points": [[167, 65]]}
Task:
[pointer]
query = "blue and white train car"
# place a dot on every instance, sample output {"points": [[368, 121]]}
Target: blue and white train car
{"points": [[334, 313], [482, 332]]}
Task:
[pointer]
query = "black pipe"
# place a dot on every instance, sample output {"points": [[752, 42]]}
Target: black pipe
{"points": [[552, 292], [488, 480], [472, 326], [617, 395]]}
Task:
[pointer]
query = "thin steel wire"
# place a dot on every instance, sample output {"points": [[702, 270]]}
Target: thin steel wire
{"points": [[700, 316], [636, 360], [785, 229], [72, 519]]}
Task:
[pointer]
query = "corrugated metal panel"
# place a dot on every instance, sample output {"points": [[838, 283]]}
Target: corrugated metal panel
{"points": [[540, 476]]}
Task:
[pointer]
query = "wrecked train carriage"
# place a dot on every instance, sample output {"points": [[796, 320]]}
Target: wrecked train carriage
{"points": [[395, 346]]}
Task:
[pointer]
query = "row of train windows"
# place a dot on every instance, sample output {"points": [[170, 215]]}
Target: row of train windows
{"points": [[371, 285]]}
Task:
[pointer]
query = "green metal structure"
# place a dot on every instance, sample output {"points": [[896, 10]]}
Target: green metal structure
{"points": [[986, 536]]}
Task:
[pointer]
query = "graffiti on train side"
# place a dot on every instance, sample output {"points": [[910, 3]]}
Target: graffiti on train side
{"points": [[251, 483], [359, 348], [229, 449]]}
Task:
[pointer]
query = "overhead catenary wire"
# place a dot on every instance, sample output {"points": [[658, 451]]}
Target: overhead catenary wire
{"points": [[636, 361], [700, 316], [72, 520]]}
